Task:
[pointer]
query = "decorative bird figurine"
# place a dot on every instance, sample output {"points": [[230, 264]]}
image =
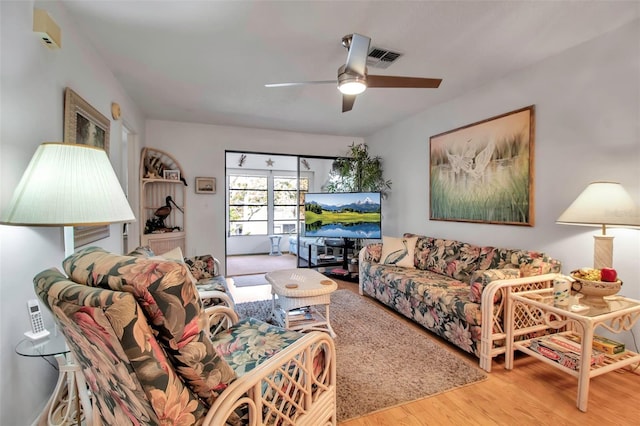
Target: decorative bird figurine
{"points": [[163, 212]]}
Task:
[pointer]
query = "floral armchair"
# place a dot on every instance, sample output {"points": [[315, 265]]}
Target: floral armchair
{"points": [[141, 335]]}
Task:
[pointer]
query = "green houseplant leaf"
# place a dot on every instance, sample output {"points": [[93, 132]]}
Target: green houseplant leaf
{"points": [[358, 172]]}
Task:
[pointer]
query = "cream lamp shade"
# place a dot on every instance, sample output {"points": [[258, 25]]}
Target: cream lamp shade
{"points": [[602, 204], [68, 185]]}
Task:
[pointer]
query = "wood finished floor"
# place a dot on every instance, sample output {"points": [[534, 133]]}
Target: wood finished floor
{"points": [[533, 393]]}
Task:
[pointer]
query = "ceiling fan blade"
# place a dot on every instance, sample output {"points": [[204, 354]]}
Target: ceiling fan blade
{"points": [[299, 83], [392, 81], [357, 56], [347, 102]]}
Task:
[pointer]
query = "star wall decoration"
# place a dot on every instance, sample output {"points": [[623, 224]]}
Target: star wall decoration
{"points": [[270, 162]]}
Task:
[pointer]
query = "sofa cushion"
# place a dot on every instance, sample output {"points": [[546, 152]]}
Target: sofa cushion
{"points": [[174, 255], [170, 302], [435, 291], [250, 342], [398, 251], [424, 245], [447, 257], [202, 270], [373, 252], [528, 262]]}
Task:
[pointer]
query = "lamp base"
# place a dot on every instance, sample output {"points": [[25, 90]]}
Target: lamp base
{"points": [[603, 251]]}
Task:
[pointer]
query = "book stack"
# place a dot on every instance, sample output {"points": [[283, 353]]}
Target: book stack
{"points": [[608, 346], [301, 316], [564, 349]]}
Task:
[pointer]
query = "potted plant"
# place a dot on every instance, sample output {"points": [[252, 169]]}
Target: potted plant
{"points": [[358, 172]]}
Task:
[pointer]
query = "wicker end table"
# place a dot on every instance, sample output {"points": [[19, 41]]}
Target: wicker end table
{"points": [[298, 296], [616, 315]]}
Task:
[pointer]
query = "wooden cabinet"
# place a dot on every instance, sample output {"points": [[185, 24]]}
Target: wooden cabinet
{"points": [[158, 173]]}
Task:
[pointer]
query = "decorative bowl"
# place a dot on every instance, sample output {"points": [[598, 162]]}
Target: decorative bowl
{"points": [[594, 291]]}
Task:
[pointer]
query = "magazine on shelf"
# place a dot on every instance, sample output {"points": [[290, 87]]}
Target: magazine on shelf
{"points": [[564, 350]]}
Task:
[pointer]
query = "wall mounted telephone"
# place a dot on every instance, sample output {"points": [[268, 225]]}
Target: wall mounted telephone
{"points": [[37, 325]]}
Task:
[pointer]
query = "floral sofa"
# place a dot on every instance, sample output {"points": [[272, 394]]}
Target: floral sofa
{"points": [[442, 282], [139, 331]]}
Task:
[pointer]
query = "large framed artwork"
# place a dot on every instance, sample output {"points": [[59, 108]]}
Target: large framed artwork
{"points": [[483, 172], [83, 124]]}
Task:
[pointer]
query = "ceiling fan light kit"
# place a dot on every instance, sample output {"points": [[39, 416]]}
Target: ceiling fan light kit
{"points": [[352, 87], [352, 76], [350, 83]]}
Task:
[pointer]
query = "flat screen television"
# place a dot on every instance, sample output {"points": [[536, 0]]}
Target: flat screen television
{"points": [[348, 215]]}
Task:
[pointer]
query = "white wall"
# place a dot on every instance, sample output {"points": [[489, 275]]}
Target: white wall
{"points": [[32, 85], [200, 150], [587, 128]]}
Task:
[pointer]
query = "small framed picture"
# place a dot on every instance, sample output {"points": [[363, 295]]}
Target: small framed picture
{"points": [[171, 174], [205, 185]]}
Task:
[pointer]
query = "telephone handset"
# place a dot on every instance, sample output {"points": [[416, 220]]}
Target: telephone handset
{"points": [[37, 325]]}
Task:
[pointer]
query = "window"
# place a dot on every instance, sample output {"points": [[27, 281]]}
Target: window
{"points": [[261, 205], [248, 205], [286, 203]]}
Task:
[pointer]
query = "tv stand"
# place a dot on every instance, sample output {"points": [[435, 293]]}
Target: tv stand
{"points": [[342, 272], [345, 244]]}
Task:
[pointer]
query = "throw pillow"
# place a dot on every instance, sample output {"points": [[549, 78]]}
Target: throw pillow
{"points": [[202, 267], [398, 251]]}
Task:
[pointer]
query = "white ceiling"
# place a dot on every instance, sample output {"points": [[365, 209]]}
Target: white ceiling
{"points": [[208, 61]]}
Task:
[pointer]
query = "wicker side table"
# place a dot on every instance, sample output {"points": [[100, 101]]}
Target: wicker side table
{"points": [[617, 315]]}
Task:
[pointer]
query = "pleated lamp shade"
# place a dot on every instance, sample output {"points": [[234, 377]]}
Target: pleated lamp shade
{"points": [[68, 185], [602, 204]]}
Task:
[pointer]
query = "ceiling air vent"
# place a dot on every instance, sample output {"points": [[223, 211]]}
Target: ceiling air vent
{"points": [[381, 58]]}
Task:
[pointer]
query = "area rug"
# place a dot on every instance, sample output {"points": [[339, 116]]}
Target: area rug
{"points": [[249, 280], [381, 360]]}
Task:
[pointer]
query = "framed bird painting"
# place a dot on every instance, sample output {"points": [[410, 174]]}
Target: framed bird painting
{"points": [[483, 172]]}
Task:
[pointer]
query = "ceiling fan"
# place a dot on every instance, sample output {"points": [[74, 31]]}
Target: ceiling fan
{"points": [[353, 78]]}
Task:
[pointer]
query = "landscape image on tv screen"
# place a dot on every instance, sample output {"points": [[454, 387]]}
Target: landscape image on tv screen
{"points": [[343, 215]]}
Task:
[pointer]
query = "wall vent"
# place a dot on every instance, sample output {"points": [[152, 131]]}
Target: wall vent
{"points": [[381, 58]]}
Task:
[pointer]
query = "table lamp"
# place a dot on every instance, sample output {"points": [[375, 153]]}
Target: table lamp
{"points": [[602, 204], [68, 185]]}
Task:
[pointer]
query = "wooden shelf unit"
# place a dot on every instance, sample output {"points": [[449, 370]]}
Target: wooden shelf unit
{"points": [[154, 191]]}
